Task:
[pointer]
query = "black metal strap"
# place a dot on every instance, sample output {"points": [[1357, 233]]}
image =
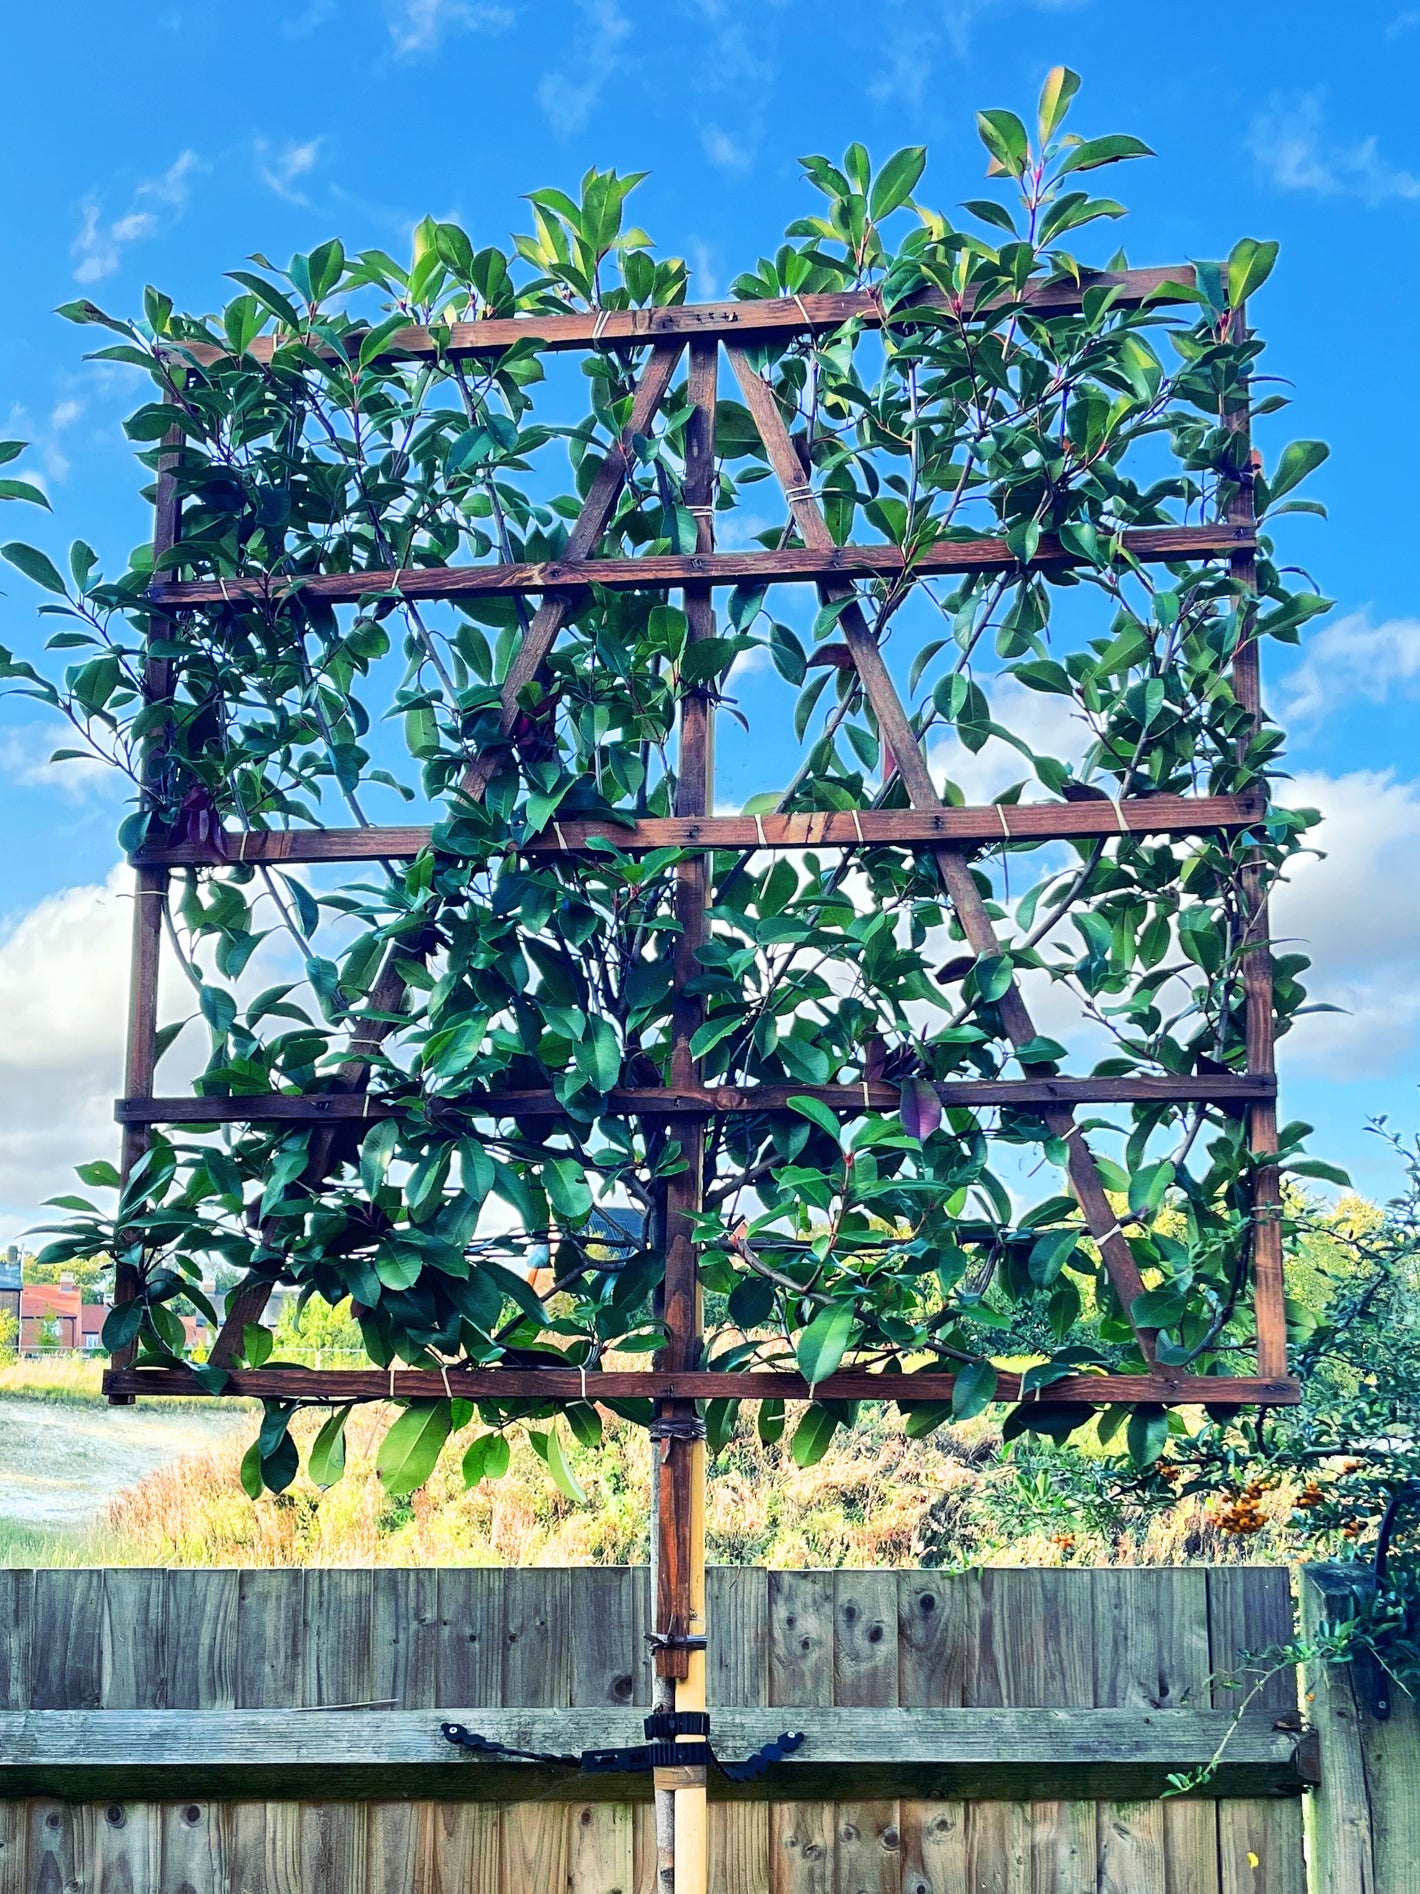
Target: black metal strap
{"points": [[485, 1746], [638, 1757]]}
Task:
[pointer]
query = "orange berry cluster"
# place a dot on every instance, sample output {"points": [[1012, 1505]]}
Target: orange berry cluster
{"points": [[1243, 1514], [1309, 1496]]}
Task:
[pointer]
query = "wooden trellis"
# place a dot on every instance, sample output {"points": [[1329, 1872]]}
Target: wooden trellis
{"points": [[950, 835]]}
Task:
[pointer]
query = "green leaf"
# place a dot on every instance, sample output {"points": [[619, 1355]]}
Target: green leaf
{"points": [[34, 564], [121, 1325], [815, 1109], [1060, 87], [705, 1037], [22, 490], [257, 1344], [973, 1390], [563, 1478], [487, 1459], [993, 975], [410, 1450], [1004, 136], [1148, 1187], [820, 1347], [327, 1459], [1249, 266], [252, 1483], [812, 1435], [1097, 151], [896, 181], [1147, 1434], [1296, 461], [1158, 1308], [376, 1150], [100, 1175], [565, 1181]]}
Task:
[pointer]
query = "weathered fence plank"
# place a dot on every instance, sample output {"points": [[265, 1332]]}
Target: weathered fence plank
{"points": [[1038, 1667], [1249, 1612]]}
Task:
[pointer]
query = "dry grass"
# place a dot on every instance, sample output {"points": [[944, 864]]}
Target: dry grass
{"points": [[876, 1499]]}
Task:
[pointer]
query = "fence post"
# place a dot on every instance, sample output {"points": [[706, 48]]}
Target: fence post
{"points": [[1364, 1820]]}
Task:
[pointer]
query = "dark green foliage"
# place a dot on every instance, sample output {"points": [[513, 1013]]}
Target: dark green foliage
{"points": [[891, 1238]]}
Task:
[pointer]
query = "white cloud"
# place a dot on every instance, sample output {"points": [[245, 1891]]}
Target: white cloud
{"points": [[1296, 153], [97, 249], [724, 150], [1357, 913], [63, 994], [1044, 721], [1348, 658], [417, 26], [569, 95], [24, 758], [280, 169]]}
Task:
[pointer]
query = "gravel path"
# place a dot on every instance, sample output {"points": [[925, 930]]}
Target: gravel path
{"points": [[61, 1463]]}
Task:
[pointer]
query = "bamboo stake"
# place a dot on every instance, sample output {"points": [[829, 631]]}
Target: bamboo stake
{"points": [[150, 894], [680, 1473], [1269, 1305]]}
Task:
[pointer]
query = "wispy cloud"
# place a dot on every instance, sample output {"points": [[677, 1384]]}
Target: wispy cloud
{"points": [[1352, 658], [309, 20], [45, 434], [418, 26], [156, 204], [280, 169], [1403, 23], [1296, 152], [724, 150], [569, 94]]}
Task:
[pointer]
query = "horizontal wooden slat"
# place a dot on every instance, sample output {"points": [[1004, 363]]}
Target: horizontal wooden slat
{"points": [[741, 322], [828, 828], [793, 566], [247, 1754], [669, 1101], [568, 1384]]}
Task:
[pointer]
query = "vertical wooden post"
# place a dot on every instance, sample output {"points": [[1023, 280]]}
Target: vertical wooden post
{"points": [[1268, 1298], [680, 1468], [150, 892]]}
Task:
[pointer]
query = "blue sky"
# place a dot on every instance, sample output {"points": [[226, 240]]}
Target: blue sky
{"points": [[165, 143]]}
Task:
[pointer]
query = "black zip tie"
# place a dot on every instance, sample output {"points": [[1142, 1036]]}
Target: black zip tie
{"points": [[484, 1746], [677, 1427]]}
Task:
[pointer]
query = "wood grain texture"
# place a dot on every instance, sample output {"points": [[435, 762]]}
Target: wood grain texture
{"points": [[461, 1840], [350, 1384], [336, 1643], [1024, 822], [404, 1637], [67, 1648], [14, 1851], [564, 578], [744, 322], [200, 1627], [802, 1835], [867, 1833], [17, 1588], [937, 1624], [1250, 1611], [737, 1672]]}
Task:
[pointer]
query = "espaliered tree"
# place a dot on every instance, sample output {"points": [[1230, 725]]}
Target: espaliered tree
{"points": [[856, 1210]]}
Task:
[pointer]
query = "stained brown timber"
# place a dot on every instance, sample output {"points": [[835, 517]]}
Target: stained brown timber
{"points": [[750, 1384], [740, 322], [991, 824], [1235, 1089], [813, 565], [98, 1755]]}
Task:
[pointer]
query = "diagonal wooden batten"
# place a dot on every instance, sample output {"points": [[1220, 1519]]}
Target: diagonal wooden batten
{"points": [[748, 1384], [388, 993], [953, 862], [992, 823], [563, 581], [764, 320], [1234, 1091], [587, 529]]}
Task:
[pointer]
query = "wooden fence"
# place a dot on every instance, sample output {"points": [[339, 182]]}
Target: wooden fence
{"points": [[391, 1649]]}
